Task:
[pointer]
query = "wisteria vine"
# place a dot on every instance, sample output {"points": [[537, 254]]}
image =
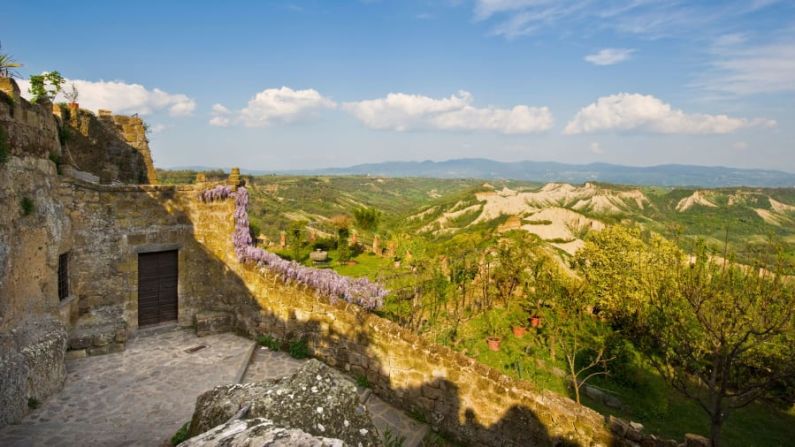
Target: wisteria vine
{"points": [[360, 291]]}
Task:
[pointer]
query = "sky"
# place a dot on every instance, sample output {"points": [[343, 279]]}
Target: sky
{"points": [[281, 85]]}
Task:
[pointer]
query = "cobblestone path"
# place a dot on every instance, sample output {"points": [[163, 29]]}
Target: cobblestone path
{"points": [[138, 397], [266, 364]]}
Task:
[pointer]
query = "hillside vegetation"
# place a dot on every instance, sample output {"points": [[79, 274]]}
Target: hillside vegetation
{"points": [[563, 284]]}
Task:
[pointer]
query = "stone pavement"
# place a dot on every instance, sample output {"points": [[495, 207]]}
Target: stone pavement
{"points": [[267, 364], [139, 397]]}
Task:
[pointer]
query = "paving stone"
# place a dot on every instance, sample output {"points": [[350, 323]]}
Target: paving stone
{"points": [[137, 397]]}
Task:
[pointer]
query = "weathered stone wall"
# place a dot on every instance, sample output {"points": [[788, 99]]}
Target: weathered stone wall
{"points": [[112, 147], [32, 338], [113, 224], [41, 219], [469, 401]]}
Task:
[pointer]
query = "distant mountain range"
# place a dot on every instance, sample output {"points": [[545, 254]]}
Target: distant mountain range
{"points": [[661, 175]]}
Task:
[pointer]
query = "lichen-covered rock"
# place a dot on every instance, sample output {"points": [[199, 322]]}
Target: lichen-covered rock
{"points": [[314, 399], [31, 366], [258, 432]]}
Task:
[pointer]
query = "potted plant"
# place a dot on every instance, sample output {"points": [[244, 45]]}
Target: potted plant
{"points": [[518, 319], [492, 340], [71, 95]]}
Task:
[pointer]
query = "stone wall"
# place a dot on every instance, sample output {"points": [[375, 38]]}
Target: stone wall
{"points": [[44, 215], [474, 403]]}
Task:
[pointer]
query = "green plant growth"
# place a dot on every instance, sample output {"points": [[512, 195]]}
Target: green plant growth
{"points": [[8, 65], [723, 335], [298, 349], [5, 147], [33, 403], [367, 219], [391, 439], [45, 86], [296, 234], [181, 435], [27, 206], [362, 381], [269, 342]]}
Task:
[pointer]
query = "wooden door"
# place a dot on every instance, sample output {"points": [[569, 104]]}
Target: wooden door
{"points": [[157, 287]]}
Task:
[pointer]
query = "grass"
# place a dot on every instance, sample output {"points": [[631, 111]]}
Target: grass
{"points": [[648, 399], [298, 349], [269, 342], [362, 381], [181, 435]]}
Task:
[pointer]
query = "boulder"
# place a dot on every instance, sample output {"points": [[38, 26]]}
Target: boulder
{"points": [[693, 440], [315, 399], [258, 432]]}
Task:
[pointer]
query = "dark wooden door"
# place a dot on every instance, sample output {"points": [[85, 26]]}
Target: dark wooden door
{"points": [[157, 287]]}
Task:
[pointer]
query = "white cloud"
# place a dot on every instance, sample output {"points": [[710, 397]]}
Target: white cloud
{"points": [[282, 105], [650, 18], [645, 113], [596, 148], [609, 56], [739, 69], [124, 98], [221, 109], [402, 112], [220, 116]]}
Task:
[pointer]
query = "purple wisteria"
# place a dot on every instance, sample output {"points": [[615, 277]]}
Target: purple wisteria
{"points": [[220, 192], [360, 291]]}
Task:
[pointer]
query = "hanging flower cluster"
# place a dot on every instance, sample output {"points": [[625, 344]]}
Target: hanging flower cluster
{"points": [[328, 282], [220, 192]]}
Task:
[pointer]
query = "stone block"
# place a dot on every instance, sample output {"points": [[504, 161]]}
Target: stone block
{"points": [[209, 323], [76, 354], [80, 342], [102, 350]]}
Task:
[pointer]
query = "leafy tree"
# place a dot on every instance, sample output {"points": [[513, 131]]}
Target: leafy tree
{"points": [[620, 264], [367, 219], [46, 85], [722, 334], [7, 65], [343, 224], [296, 232], [575, 331]]}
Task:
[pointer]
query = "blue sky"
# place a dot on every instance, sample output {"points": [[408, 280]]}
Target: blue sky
{"points": [[306, 84]]}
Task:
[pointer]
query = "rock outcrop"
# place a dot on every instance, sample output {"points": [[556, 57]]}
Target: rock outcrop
{"points": [[31, 366], [258, 432], [316, 400]]}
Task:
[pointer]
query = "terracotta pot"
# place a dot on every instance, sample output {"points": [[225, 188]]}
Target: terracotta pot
{"points": [[519, 331], [494, 343], [535, 321]]}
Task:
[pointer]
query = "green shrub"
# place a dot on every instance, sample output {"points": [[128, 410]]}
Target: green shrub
{"points": [[33, 403], [269, 342], [27, 206], [298, 349], [181, 435], [361, 380]]}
